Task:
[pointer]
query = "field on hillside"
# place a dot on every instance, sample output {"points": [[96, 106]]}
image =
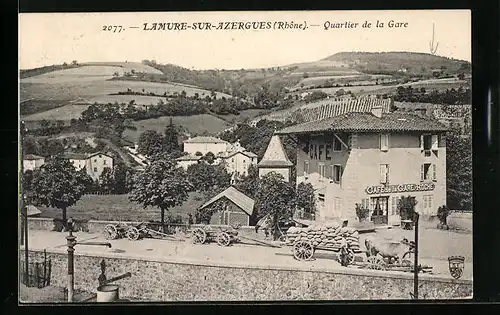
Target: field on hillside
{"points": [[316, 80], [78, 90], [193, 124], [243, 115], [117, 208], [65, 113], [138, 99]]}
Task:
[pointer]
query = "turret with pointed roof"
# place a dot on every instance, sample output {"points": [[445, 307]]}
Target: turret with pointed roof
{"points": [[275, 159]]}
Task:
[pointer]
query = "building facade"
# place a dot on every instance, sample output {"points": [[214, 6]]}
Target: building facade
{"points": [[372, 160], [187, 160], [275, 160], [94, 163], [205, 145], [32, 162]]}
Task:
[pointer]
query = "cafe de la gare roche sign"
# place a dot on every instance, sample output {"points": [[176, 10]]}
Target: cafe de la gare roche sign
{"points": [[391, 189]]}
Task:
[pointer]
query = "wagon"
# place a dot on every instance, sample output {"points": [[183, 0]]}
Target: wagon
{"points": [[133, 232], [304, 250], [223, 236]]}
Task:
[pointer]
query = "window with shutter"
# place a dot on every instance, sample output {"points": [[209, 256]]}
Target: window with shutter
{"points": [[384, 173], [434, 142], [337, 169], [384, 142], [422, 173], [306, 168], [434, 172], [393, 206], [321, 170]]}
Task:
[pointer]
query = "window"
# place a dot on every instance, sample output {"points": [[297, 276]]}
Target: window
{"points": [[104, 162], [306, 168], [321, 197], [337, 173], [384, 142], [321, 170], [427, 204], [429, 142], [95, 169], [337, 145], [95, 160], [384, 173], [428, 172], [395, 201]]}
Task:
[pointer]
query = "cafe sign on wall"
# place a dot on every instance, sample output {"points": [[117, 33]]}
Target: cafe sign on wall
{"points": [[392, 189]]}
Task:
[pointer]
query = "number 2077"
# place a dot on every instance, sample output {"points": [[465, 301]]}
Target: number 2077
{"points": [[113, 28]]}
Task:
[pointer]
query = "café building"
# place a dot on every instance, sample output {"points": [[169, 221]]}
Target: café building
{"points": [[372, 159]]}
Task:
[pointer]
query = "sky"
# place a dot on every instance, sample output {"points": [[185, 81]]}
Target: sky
{"points": [[54, 38]]}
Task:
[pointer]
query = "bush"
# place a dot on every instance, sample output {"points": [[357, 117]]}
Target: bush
{"points": [[362, 212], [406, 207], [442, 215]]}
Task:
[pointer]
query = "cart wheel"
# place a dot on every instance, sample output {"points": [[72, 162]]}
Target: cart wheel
{"points": [[199, 236], [223, 239], [303, 250], [408, 258], [376, 263], [110, 232], [132, 233]]}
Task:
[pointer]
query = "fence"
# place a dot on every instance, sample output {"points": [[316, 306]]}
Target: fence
{"points": [[38, 272]]}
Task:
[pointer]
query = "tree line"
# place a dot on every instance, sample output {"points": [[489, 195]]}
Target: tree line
{"points": [[450, 96]]}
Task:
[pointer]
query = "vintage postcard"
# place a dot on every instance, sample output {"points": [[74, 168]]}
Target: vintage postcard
{"points": [[245, 156]]}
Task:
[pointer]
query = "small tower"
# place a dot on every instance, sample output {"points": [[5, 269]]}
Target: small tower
{"points": [[275, 159]]}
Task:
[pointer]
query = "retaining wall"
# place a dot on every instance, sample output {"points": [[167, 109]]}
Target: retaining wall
{"points": [[164, 280]]}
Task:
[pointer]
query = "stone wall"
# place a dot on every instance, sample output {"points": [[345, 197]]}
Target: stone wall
{"points": [[156, 280]]}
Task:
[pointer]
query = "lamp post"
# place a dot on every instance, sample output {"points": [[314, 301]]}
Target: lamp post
{"points": [[71, 242]]}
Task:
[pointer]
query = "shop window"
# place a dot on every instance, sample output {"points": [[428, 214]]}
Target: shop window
{"points": [[384, 142], [384, 173]]}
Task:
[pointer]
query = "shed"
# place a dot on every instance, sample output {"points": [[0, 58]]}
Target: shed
{"points": [[237, 209]]}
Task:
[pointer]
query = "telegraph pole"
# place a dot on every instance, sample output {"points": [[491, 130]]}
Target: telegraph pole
{"points": [[24, 209]]}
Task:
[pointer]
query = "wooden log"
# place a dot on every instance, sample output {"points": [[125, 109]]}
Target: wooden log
{"points": [[259, 241]]}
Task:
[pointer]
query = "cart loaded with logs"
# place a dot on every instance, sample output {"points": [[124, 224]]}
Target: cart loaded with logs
{"points": [[135, 232]]}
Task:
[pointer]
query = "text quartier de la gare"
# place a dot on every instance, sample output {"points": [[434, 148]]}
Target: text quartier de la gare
{"points": [[343, 25]]}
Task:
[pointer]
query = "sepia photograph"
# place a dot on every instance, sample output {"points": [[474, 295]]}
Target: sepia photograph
{"points": [[245, 156]]}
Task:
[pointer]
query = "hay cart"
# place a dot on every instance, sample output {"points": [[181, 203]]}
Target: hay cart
{"points": [[223, 236], [134, 232]]}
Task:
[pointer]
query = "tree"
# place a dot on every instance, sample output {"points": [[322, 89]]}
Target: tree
{"points": [[406, 207], [275, 197], [162, 184], [209, 157], [171, 139], [306, 200], [204, 177], [248, 184], [150, 143], [106, 181], [58, 185], [85, 179], [119, 179], [459, 171]]}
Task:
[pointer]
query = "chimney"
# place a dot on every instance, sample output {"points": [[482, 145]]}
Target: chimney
{"points": [[377, 110]]}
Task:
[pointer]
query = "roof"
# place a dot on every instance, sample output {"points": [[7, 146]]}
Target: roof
{"points": [[275, 155], [32, 157], [244, 202], [189, 158], [204, 140], [83, 156], [33, 211], [247, 153], [367, 122], [75, 156]]}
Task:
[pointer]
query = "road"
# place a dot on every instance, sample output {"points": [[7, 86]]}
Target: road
{"points": [[235, 255]]}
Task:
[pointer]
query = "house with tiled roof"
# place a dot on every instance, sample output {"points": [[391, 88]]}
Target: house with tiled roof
{"points": [[237, 160], [32, 162], [94, 163], [372, 159], [204, 145]]}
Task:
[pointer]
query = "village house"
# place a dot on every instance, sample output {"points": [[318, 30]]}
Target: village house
{"points": [[187, 160], [94, 163], [205, 145], [237, 160], [372, 159], [32, 162]]}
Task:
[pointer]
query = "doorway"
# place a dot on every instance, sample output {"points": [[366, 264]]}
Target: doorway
{"points": [[379, 207]]}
